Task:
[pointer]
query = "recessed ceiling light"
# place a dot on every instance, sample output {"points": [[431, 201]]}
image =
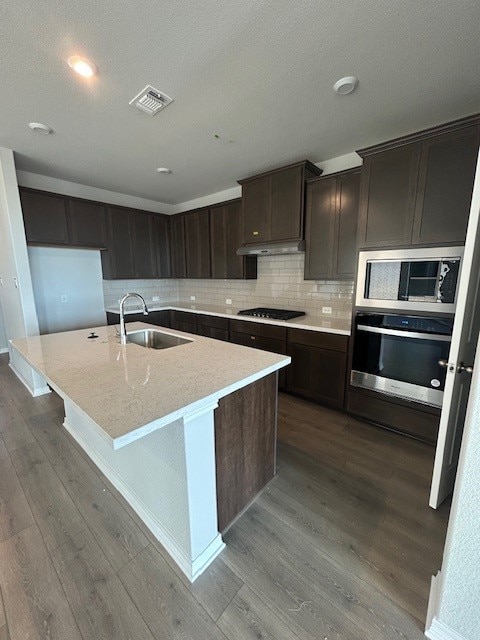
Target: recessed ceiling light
{"points": [[164, 170], [82, 66], [38, 127], [345, 85]]}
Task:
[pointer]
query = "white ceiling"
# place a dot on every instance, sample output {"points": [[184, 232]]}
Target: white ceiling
{"points": [[257, 71]]}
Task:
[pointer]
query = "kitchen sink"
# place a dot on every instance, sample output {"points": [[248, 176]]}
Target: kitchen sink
{"points": [[154, 339]]}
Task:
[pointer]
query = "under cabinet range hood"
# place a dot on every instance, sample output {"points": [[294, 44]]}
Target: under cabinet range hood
{"points": [[272, 248]]}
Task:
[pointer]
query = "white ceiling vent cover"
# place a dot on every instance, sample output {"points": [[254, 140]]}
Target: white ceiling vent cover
{"points": [[150, 100]]}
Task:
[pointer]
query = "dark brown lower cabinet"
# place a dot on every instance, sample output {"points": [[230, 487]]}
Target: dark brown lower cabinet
{"points": [[319, 365], [212, 327], [245, 435], [184, 321], [158, 318]]}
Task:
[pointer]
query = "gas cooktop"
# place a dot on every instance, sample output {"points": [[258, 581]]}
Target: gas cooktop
{"points": [[273, 314]]}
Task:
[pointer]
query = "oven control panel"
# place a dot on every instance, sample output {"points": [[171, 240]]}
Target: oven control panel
{"points": [[442, 326]]}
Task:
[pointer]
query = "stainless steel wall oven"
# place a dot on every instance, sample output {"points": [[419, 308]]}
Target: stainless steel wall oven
{"points": [[402, 355]]}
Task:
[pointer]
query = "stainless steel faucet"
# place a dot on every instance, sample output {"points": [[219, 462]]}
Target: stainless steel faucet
{"points": [[123, 333]]}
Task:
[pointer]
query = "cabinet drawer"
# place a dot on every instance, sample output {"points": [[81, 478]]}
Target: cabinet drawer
{"points": [[184, 316], [259, 342], [213, 332], [212, 321], [159, 318], [318, 339], [259, 329]]}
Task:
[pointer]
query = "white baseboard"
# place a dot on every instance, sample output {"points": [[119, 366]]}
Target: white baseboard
{"points": [[191, 568], [3, 350], [438, 630], [41, 391]]}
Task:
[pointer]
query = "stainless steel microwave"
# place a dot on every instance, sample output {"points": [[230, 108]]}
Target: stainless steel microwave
{"points": [[409, 279]]}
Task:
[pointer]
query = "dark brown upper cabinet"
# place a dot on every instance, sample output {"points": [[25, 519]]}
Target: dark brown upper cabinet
{"points": [[331, 226], [177, 246], [131, 250], [417, 190], [387, 197], [87, 223], [45, 217], [161, 244], [144, 262], [117, 262], [445, 185], [225, 238], [273, 203], [197, 243]]}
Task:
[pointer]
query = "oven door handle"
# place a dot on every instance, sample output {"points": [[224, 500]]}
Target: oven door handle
{"points": [[405, 334]]}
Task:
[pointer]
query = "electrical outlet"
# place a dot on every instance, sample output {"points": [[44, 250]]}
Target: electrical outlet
{"points": [[64, 297], [155, 299], [327, 310], [192, 298], [228, 301]]}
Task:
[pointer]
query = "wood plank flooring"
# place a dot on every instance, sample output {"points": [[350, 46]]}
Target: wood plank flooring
{"points": [[340, 546]]}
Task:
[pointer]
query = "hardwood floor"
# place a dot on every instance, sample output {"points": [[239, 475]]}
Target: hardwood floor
{"points": [[341, 545]]}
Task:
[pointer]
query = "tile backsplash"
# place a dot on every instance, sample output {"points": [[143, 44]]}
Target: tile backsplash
{"points": [[279, 284]]}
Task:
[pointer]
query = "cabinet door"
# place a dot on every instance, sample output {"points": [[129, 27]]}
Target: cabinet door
{"points": [[317, 374], [45, 218], [119, 244], [256, 210], [447, 172], [161, 244], [387, 197], [142, 249], [320, 228], [197, 243], [159, 318], [346, 222], [225, 239], [287, 197], [87, 222], [177, 246], [213, 332]]}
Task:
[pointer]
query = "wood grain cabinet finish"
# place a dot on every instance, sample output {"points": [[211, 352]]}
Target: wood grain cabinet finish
{"points": [[387, 197], [225, 239], [117, 262], [184, 321], [319, 366], [158, 318], [197, 243], [144, 262], [45, 218], [177, 246], [331, 226], [161, 245], [245, 441], [417, 190], [213, 327], [87, 223], [273, 203], [445, 186]]}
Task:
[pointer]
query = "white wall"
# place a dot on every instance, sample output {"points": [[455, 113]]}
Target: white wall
{"points": [[73, 273], [3, 337], [457, 609], [16, 292]]}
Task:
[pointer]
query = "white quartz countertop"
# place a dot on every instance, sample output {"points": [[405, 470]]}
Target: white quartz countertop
{"points": [[130, 391], [309, 322]]}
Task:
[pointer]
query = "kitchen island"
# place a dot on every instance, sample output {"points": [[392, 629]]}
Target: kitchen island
{"points": [[185, 433]]}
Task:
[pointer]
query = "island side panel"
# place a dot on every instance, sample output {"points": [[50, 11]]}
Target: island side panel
{"points": [[245, 446]]}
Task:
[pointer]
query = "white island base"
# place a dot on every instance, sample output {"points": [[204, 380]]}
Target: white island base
{"points": [[168, 478]]}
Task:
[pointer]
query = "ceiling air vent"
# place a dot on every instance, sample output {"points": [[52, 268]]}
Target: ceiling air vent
{"points": [[150, 100]]}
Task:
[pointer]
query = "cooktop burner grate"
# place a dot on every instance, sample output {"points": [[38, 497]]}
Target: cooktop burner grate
{"points": [[273, 314]]}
